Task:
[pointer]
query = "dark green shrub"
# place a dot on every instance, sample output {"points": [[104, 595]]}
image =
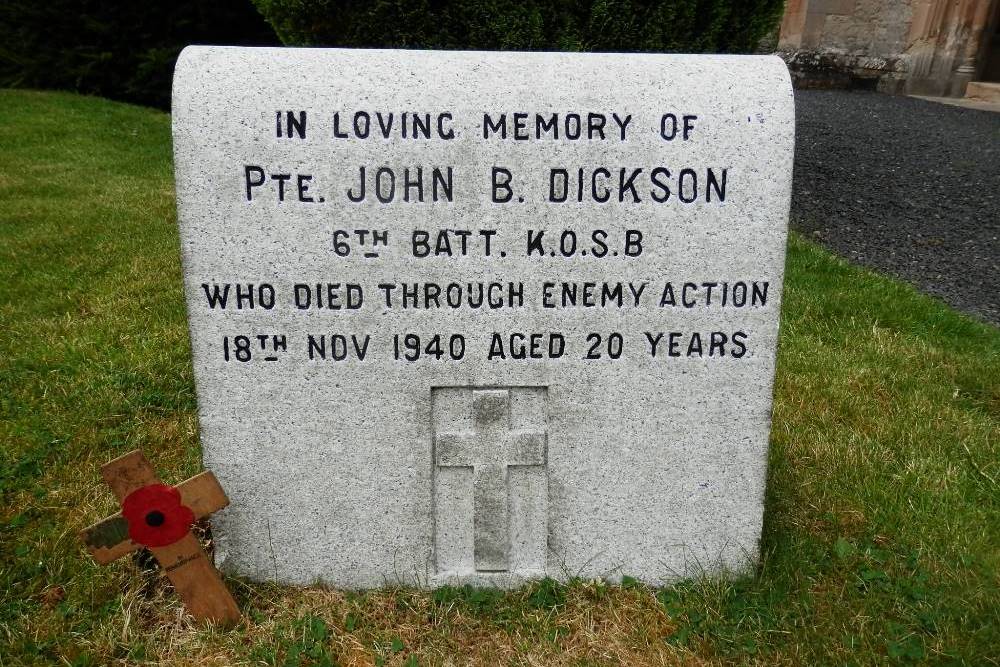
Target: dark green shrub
{"points": [[586, 25], [115, 48]]}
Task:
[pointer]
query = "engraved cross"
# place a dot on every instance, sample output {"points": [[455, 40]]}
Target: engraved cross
{"points": [[490, 448]]}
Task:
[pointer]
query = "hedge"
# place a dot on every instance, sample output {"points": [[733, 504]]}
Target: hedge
{"points": [[126, 50], [724, 26], [120, 49]]}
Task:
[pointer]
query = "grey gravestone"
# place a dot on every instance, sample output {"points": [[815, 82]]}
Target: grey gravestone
{"points": [[481, 317]]}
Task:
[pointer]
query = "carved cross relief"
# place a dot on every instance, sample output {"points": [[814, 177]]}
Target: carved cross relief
{"points": [[490, 446]]}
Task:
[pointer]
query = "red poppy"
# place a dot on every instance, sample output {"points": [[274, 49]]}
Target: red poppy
{"points": [[156, 516]]}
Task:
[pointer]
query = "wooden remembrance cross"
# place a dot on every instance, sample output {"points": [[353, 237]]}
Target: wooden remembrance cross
{"points": [[159, 518]]}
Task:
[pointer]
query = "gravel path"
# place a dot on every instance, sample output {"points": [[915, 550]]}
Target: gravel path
{"points": [[904, 186]]}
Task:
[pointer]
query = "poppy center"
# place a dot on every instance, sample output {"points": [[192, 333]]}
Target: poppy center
{"points": [[155, 518]]}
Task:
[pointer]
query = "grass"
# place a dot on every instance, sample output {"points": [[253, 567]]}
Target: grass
{"points": [[882, 533]]}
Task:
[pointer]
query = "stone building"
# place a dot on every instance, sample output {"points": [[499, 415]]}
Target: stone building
{"points": [[920, 47]]}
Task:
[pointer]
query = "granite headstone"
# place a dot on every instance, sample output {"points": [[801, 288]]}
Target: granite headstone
{"points": [[466, 317]]}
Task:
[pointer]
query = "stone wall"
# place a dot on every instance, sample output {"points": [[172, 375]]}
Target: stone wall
{"points": [[932, 47]]}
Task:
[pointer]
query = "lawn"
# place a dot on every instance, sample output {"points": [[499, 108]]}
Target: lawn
{"points": [[882, 529]]}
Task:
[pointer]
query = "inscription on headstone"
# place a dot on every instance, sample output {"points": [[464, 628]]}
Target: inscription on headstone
{"points": [[480, 317]]}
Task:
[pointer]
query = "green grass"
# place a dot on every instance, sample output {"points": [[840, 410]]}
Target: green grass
{"points": [[882, 532]]}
